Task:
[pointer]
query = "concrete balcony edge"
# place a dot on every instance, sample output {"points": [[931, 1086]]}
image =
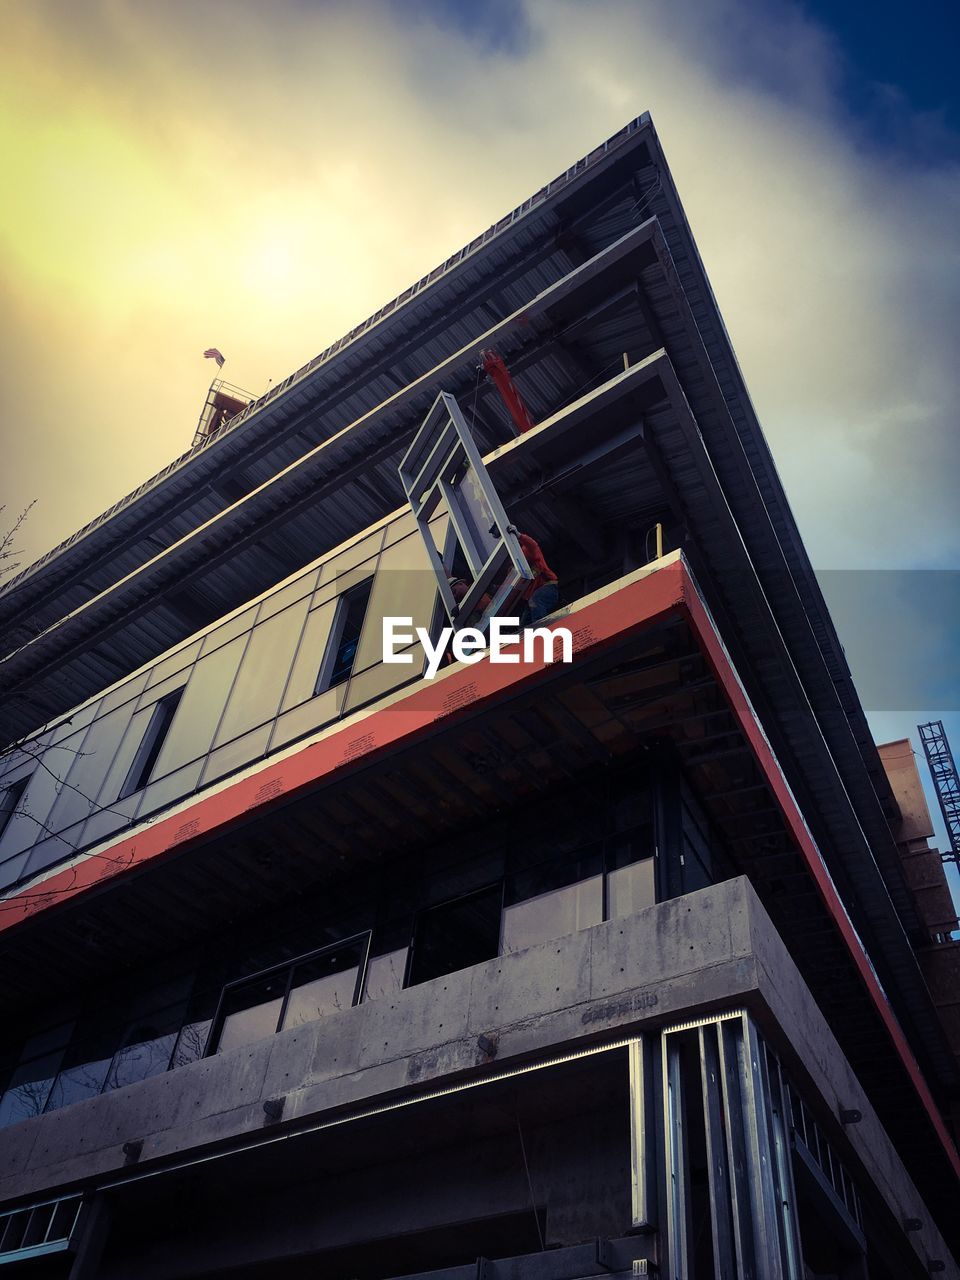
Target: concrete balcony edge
{"points": [[707, 951]]}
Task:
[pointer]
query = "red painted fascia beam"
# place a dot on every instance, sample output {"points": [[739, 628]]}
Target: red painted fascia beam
{"points": [[715, 652], [425, 709], [432, 705]]}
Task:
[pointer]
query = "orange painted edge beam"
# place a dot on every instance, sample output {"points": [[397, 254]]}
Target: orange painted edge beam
{"points": [[713, 648], [428, 707]]}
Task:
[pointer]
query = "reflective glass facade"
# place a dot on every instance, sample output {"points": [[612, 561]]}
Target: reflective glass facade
{"points": [[292, 662]]}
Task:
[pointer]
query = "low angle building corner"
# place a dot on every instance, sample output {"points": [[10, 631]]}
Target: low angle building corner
{"points": [[327, 957]]}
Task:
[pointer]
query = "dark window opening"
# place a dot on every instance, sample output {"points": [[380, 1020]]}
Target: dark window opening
{"points": [[457, 934], [290, 995], [345, 637], [9, 802], [149, 750]]}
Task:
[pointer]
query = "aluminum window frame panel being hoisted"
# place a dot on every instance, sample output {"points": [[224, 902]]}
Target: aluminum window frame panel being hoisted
{"points": [[443, 465]]}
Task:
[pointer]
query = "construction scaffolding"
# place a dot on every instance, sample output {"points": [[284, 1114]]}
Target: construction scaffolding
{"points": [[943, 771]]}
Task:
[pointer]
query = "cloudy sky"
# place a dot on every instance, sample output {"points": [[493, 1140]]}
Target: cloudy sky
{"points": [[262, 176]]}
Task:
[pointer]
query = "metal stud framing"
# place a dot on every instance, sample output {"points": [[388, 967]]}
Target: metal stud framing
{"points": [[721, 1063], [443, 464]]}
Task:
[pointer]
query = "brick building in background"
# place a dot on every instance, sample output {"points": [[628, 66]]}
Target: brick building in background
{"points": [[314, 966]]}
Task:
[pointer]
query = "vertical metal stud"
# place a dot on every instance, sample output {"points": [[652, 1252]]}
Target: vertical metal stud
{"points": [[721, 1196], [730, 1044], [677, 1173], [777, 1115], [642, 1194]]}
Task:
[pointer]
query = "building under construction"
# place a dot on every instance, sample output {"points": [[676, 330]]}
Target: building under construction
{"points": [[312, 966]]}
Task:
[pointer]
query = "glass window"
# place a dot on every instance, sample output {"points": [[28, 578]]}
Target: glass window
{"points": [[314, 641], [308, 716], [166, 790], [173, 663], [78, 798], [385, 974], [10, 801], [192, 1041], [456, 934], [290, 995], [293, 591], [27, 824], [87, 1061], [147, 1047], [124, 693], [235, 627], [46, 852], [345, 637], [325, 984], [234, 755], [553, 914], [251, 1010], [29, 1086], [631, 888], [148, 1040], [376, 682], [348, 565], [158, 726]]}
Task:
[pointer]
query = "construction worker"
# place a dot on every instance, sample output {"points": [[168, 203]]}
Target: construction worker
{"points": [[541, 595]]}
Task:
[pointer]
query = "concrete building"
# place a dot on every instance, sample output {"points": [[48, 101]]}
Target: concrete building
{"points": [[314, 966]]}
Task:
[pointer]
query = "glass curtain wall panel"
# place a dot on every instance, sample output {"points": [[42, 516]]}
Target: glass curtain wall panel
{"points": [[204, 699], [255, 695], [80, 796], [87, 1061], [148, 1040], [405, 586], [314, 641]]}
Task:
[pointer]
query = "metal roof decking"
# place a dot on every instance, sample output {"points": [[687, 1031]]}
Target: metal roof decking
{"points": [[340, 486], [419, 318]]}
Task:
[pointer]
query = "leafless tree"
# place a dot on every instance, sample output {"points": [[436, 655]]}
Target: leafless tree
{"points": [[10, 553]]}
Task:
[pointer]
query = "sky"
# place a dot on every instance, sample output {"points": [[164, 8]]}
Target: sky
{"points": [[260, 177]]}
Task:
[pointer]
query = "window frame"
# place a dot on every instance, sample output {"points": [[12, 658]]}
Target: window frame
{"points": [[324, 680], [290, 966], [145, 758], [9, 811], [499, 883]]}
